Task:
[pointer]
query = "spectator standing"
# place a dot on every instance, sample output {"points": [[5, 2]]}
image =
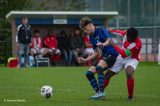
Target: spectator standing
{"points": [[23, 42]]}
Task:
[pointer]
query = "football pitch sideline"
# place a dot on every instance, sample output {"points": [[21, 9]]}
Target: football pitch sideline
{"points": [[21, 87]]}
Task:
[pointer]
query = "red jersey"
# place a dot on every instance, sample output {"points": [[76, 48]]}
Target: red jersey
{"points": [[87, 41], [129, 49], [51, 42], [37, 42]]}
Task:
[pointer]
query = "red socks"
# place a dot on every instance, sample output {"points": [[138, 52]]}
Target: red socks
{"points": [[130, 86], [106, 82]]}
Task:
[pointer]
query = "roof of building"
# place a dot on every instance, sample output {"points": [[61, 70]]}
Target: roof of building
{"points": [[60, 14]]}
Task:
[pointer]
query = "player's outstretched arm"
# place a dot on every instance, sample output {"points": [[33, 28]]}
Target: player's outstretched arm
{"points": [[91, 57], [122, 52], [106, 43], [117, 32]]}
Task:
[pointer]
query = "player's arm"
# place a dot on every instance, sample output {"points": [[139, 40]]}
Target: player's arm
{"points": [[105, 36], [117, 32], [91, 57], [94, 55], [124, 53], [87, 44], [106, 43]]}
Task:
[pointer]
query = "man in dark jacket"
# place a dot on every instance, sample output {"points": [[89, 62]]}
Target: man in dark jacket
{"points": [[64, 44], [77, 45], [23, 42]]}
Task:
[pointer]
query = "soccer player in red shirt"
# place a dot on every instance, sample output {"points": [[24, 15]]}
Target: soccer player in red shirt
{"points": [[128, 58], [51, 43]]}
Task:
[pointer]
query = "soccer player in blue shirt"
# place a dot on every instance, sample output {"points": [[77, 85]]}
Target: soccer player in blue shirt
{"points": [[99, 38]]}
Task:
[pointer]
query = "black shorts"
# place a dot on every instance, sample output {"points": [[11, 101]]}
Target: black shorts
{"points": [[110, 59]]}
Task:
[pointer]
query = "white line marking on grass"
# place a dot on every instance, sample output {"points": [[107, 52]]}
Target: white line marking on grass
{"points": [[35, 88], [71, 90]]}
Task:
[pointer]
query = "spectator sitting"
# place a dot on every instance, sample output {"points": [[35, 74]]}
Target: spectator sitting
{"points": [[65, 46], [51, 43], [77, 44], [37, 45]]}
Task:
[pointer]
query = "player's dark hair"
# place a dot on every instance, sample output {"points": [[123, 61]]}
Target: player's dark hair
{"points": [[84, 21], [132, 33]]}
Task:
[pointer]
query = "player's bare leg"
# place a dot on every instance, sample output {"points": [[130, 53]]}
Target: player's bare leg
{"points": [[108, 75], [33, 52], [45, 51], [130, 82]]}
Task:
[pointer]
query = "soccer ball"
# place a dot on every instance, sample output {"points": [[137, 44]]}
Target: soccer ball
{"points": [[46, 91]]}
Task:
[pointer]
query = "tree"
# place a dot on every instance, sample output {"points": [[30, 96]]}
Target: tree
{"points": [[5, 29]]}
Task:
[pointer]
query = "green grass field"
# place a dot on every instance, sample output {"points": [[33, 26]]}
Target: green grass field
{"points": [[71, 87]]}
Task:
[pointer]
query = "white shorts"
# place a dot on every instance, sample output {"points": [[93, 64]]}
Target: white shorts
{"points": [[56, 51], [89, 51], [123, 63], [38, 51]]}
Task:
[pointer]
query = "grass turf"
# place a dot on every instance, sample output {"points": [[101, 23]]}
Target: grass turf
{"points": [[71, 88]]}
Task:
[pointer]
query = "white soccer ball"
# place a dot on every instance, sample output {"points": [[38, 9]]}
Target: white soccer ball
{"points": [[47, 91]]}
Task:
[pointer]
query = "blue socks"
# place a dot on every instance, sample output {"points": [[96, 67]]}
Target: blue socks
{"points": [[90, 76], [100, 78]]}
